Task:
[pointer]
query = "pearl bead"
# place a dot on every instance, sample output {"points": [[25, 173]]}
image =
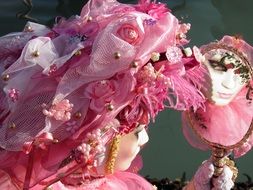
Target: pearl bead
{"points": [[117, 55], [78, 115], [28, 28], [5, 77], [134, 64], [55, 141], [79, 148], [110, 107], [89, 19], [36, 53], [12, 125], [78, 53]]}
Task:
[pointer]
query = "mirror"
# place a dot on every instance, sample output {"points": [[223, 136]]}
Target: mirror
{"points": [[225, 123]]}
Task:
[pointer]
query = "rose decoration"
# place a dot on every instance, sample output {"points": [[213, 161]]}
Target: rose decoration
{"points": [[101, 93], [129, 33]]}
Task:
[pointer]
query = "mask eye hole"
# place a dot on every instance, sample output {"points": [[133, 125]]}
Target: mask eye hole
{"points": [[216, 65]]}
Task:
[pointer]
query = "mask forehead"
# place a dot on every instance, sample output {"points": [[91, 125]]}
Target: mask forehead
{"points": [[230, 58], [218, 54]]}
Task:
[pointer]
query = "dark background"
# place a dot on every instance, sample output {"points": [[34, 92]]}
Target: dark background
{"points": [[167, 154]]}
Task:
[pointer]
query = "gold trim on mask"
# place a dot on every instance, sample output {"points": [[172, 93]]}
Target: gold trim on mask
{"points": [[113, 152]]}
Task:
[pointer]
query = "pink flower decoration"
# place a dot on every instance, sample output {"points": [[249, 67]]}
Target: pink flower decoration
{"points": [[147, 74], [72, 126], [129, 116], [13, 94], [60, 111], [181, 33], [184, 28], [129, 33], [100, 93], [174, 54]]}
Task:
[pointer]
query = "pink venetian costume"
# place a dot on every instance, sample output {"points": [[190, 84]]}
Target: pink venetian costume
{"points": [[68, 91]]}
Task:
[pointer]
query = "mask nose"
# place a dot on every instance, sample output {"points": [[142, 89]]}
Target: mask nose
{"points": [[143, 137], [229, 79]]}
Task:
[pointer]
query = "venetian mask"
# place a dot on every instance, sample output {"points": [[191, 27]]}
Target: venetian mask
{"points": [[228, 75]]}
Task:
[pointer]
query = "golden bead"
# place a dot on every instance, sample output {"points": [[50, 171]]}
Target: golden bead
{"points": [[28, 28], [89, 19], [117, 55], [110, 107], [78, 115], [5, 77], [134, 64], [55, 141], [78, 53], [36, 53], [12, 125]]}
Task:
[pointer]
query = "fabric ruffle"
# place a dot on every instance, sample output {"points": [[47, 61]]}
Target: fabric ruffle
{"points": [[225, 125], [118, 180]]}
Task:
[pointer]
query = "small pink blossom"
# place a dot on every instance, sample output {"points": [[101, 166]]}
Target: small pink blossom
{"points": [[60, 111], [13, 94], [100, 93], [147, 74], [72, 126], [129, 33], [181, 33], [92, 145], [184, 28]]}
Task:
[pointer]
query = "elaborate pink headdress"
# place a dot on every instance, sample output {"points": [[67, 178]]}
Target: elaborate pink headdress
{"points": [[90, 77], [227, 124]]}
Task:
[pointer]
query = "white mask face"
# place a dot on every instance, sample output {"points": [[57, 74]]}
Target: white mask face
{"points": [[226, 76], [129, 147]]}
